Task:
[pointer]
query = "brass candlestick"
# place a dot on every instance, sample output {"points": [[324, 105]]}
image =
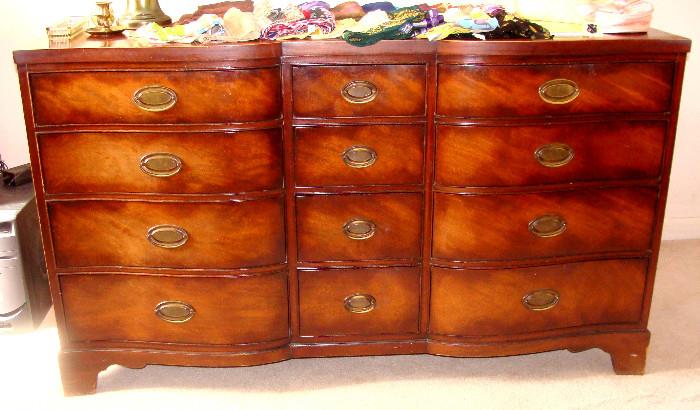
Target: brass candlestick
{"points": [[141, 12]]}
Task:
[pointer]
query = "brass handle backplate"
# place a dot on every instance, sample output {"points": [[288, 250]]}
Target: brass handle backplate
{"points": [[359, 92], [174, 311], [155, 98], [359, 230], [360, 303], [540, 300], [559, 91], [554, 155], [547, 226], [161, 164], [359, 157], [167, 236]]}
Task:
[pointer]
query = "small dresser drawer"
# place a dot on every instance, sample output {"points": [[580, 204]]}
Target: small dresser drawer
{"points": [[359, 227], [195, 235], [493, 227], [477, 156], [359, 90], [508, 91], [359, 155], [476, 303], [220, 311], [359, 302], [166, 97], [178, 163]]}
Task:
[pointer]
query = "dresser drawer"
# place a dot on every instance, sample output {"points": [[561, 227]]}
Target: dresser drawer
{"points": [[194, 235], [359, 155], [477, 156], [359, 90], [178, 163], [359, 302], [359, 227], [202, 310], [490, 227], [505, 91], [477, 303], [164, 97]]}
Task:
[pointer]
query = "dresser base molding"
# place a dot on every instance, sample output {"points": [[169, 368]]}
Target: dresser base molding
{"points": [[80, 368]]}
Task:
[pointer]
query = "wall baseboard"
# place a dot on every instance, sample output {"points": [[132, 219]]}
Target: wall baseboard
{"points": [[681, 228]]}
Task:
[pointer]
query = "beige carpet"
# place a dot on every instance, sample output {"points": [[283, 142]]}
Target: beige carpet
{"points": [[29, 375]]}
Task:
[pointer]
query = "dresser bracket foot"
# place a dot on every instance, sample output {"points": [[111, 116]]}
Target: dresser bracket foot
{"points": [[79, 372], [628, 352]]}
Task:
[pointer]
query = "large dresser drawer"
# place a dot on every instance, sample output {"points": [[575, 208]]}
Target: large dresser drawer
{"points": [[359, 155], [481, 156], [202, 310], [508, 91], [359, 90], [477, 303], [359, 227], [493, 227], [162, 162], [359, 302], [195, 235], [149, 97]]}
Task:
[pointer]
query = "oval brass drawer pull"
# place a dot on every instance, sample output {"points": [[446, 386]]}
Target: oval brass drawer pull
{"points": [[359, 92], [554, 155], [547, 226], [540, 300], [359, 157], [167, 236], [359, 230], [559, 91], [174, 311], [155, 98], [360, 303], [161, 164]]}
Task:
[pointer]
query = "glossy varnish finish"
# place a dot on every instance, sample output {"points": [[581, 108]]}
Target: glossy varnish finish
{"points": [[212, 162], [268, 266], [238, 310], [202, 97]]}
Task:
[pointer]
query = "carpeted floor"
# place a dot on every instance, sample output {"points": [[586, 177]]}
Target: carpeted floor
{"points": [[29, 376]]}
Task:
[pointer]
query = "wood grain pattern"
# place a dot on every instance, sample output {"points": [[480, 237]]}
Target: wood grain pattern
{"points": [[227, 310], [221, 235], [212, 162], [499, 91], [504, 156], [318, 155], [590, 293], [322, 294], [317, 90], [320, 221], [490, 227], [105, 97]]}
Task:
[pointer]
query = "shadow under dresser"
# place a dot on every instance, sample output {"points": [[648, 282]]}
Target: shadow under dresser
{"points": [[235, 205]]}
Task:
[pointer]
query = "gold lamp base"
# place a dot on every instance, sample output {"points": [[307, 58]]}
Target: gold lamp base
{"points": [[142, 12]]}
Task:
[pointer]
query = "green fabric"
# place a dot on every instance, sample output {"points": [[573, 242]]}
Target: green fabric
{"points": [[400, 27]]}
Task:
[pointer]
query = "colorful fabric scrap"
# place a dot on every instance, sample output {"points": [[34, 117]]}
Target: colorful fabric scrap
{"points": [[399, 27], [209, 25], [319, 20]]}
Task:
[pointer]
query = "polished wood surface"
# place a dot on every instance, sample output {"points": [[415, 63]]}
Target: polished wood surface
{"points": [[221, 235], [318, 155], [491, 227], [491, 156], [322, 294], [487, 91], [106, 97], [320, 222], [589, 293], [212, 162], [450, 195], [400, 90], [239, 310]]}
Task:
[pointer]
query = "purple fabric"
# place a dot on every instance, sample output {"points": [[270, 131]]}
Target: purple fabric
{"points": [[380, 5]]}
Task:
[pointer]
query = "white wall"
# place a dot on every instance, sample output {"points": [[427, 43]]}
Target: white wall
{"points": [[24, 22]]}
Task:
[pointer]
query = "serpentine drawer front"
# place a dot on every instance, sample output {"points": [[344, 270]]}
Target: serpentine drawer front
{"points": [[243, 204]]}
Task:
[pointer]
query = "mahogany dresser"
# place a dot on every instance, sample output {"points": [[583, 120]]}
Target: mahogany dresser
{"points": [[234, 205]]}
